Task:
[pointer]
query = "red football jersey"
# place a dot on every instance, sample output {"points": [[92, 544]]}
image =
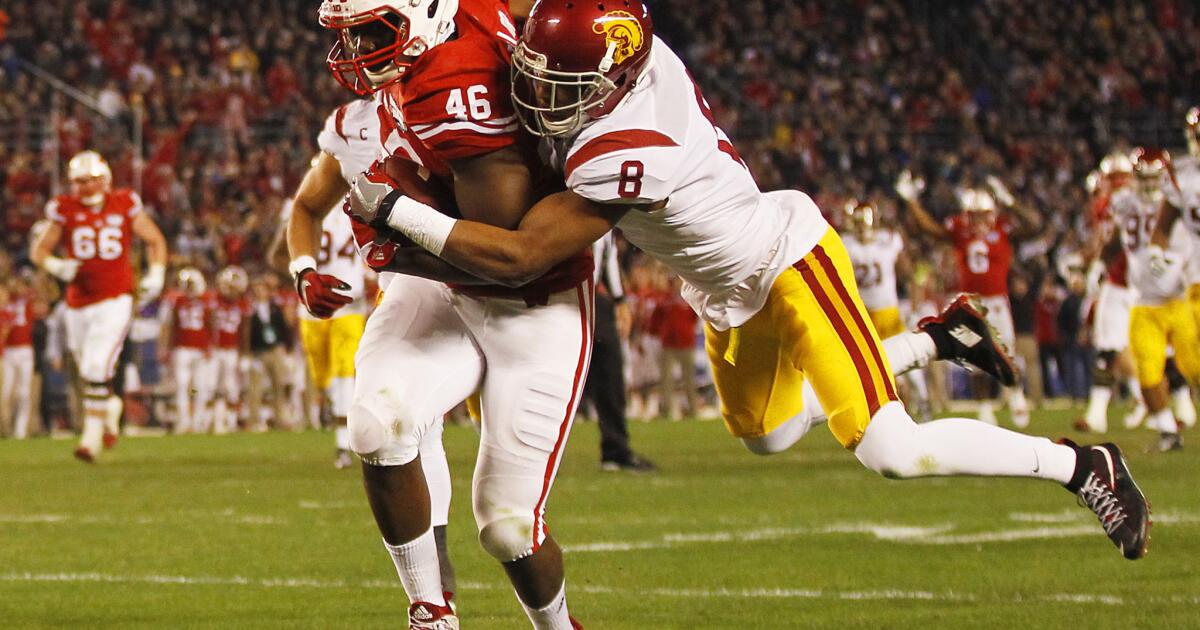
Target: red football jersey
{"points": [[983, 259], [228, 318], [19, 314], [454, 103], [192, 320], [100, 238]]}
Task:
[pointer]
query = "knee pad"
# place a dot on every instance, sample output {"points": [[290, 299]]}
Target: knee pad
{"points": [[1175, 379], [1102, 370], [376, 440], [889, 445], [509, 538]]}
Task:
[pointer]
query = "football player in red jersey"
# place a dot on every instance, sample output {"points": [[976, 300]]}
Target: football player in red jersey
{"points": [[440, 69], [96, 225], [22, 310], [982, 238], [232, 344], [188, 331]]}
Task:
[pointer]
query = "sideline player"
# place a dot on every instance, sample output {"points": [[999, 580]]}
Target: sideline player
{"points": [[1159, 246], [231, 318], [187, 327], [22, 310], [982, 241], [441, 72], [877, 254], [98, 224], [350, 143], [768, 275]]}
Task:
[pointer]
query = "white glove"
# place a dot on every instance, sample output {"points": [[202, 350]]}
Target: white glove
{"points": [[62, 268], [908, 187], [152, 284], [371, 199], [1000, 191]]}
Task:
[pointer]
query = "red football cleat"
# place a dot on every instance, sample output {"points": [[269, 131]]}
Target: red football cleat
{"points": [[575, 624], [85, 455], [110, 440]]}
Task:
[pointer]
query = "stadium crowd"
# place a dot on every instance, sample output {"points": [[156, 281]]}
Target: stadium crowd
{"points": [[834, 98]]}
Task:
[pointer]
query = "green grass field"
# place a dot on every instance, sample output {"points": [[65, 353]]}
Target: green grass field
{"points": [[261, 531]]}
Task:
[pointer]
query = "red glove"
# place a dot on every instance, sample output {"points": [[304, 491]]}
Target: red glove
{"points": [[320, 293]]}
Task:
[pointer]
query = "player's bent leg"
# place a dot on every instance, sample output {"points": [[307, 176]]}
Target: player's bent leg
{"points": [[787, 434]]}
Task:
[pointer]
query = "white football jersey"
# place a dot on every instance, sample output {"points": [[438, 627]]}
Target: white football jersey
{"points": [[351, 135], [660, 148], [1157, 273], [1183, 192], [875, 267]]}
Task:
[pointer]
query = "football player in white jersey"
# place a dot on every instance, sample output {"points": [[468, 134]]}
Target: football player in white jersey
{"points": [[1159, 245], [636, 144], [317, 228], [877, 253]]}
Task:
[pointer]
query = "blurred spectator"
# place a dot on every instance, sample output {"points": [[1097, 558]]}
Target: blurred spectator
{"points": [[675, 324], [270, 337]]}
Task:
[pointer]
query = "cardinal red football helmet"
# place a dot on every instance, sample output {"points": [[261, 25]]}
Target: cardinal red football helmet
{"points": [[576, 61], [379, 39]]}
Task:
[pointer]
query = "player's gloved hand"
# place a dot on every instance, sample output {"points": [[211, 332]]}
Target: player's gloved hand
{"points": [[909, 187], [1000, 191], [373, 201], [322, 294], [152, 284], [371, 198], [62, 268]]}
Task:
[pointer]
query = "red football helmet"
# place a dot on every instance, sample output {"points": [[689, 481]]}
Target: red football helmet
{"points": [[577, 60], [1151, 167], [379, 39]]}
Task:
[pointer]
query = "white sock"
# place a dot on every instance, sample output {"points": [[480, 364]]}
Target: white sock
{"points": [[1096, 415], [908, 351], [1185, 409], [417, 565], [220, 413], [554, 616], [93, 430], [112, 414], [895, 446], [1135, 390], [1163, 421], [341, 436], [987, 414]]}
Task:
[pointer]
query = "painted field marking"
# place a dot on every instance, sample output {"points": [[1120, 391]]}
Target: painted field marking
{"points": [[669, 593]]}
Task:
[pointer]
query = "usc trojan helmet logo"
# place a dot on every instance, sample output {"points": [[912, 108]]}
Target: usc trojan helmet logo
{"points": [[622, 32]]}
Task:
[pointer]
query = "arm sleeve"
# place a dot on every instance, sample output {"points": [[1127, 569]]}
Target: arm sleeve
{"points": [[630, 176], [135, 204], [54, 212]]}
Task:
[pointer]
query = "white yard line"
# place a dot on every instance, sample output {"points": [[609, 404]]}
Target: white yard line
{"points": [[666, 593]]}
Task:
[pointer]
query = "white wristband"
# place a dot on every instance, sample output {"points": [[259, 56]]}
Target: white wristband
{"points": [[300, 263], [424, 225]]}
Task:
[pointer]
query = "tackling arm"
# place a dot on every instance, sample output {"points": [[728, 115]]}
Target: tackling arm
{"points": [[555, 229]]}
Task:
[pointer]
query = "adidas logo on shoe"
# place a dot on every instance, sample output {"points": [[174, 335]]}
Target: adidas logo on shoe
{"points": [[965, 336]]}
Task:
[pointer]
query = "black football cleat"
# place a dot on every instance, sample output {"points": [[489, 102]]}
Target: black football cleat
{"points": [[962, 334], [1103, 484]]}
